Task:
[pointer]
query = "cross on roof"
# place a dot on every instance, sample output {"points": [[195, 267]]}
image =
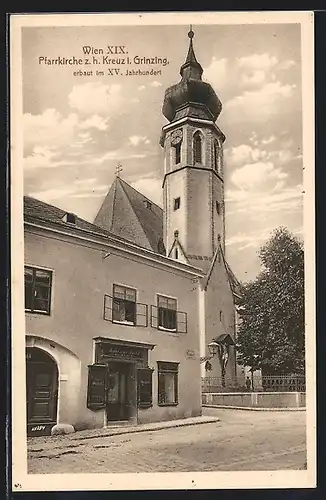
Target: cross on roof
{"points": [[118, 169]]}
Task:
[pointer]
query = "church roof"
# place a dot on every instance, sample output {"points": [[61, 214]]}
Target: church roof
{"points": [[128, 213]]}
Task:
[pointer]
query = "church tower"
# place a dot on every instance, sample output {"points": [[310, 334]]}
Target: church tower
{"points": [[193, 187]]}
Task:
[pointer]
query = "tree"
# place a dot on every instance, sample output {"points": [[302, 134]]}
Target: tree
{"points": [[271, 309]]}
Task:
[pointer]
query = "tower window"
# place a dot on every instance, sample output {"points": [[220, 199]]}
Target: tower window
{"points": [[197, 148], [176, 204], [176, 253], [218, 208], [215, 157], [178, 153]]}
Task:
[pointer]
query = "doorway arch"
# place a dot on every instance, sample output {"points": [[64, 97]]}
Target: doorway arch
{"points": [[41, 391]]}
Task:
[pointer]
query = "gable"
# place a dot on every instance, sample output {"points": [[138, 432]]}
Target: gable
{"points": [[182, 256]]}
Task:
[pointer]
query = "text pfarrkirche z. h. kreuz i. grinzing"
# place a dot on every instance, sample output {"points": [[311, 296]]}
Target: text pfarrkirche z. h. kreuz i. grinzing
{"points": [[75, 61]]}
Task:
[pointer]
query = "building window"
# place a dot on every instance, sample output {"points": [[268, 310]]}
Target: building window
{"points": [[218, 208], [166, 317], [122, 308], [70, 218], [176, 203], [124, 305], [38, 290], [178, 153], [167, 383], [197, 148], [148, 204], [167, 313]]}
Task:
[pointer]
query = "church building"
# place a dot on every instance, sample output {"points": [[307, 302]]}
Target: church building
{"points": [[121, 312]]}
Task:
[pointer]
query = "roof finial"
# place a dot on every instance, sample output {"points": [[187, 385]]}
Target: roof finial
{"points": [[118, 169], [191, 68], [191, 34]]}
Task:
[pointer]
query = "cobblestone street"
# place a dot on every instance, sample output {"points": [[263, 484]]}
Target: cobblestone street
{"points": [[241, 440]]}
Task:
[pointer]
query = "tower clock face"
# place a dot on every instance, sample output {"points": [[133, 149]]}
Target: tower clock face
{"points": [[176, 137]]}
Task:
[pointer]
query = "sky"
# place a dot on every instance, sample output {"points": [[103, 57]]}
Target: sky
{"points": [[78, 128]]}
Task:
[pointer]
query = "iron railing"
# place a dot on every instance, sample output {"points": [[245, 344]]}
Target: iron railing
{"points": [[269, 383], [284, 383]]}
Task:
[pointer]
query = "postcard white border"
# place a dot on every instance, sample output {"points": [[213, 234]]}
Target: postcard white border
{"points": [[21, 481]]}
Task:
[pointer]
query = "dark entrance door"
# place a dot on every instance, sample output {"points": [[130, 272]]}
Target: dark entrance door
{"points": [[42, 391], [119, 391]]}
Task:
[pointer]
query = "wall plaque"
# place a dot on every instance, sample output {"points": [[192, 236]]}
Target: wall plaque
{"points": [[190, 354]]}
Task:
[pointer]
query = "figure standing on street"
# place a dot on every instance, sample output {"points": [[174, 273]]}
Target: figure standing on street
{"points": [[248, 384]]}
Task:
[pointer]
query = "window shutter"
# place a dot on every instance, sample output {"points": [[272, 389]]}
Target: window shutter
{"points": [[154, 317], [181, 322], [141, 315], [107, 313], [96, 392], [144, 387]]}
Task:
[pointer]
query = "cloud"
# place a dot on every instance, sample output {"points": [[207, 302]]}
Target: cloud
{"points": [[135, 140], [216, 73], [249, 239], [141, 87], [263, 62], [94, 98], [251, 175], [86, 182], [44, 157], [259, 105], [53, 194], [253, 79], [95, 121], [261, 202], [155, 83], [49, 128], [287, 64], [269, 140]]}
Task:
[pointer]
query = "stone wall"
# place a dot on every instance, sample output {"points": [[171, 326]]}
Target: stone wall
{"points": [[256, 399]]}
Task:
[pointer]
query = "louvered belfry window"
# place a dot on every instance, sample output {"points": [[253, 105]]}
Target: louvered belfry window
{"points": [[197, 147]]}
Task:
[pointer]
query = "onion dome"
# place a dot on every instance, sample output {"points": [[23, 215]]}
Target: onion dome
{"points": [[191, 94]]}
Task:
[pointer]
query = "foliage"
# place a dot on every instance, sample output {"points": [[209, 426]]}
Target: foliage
{"points": [[271, 309]]}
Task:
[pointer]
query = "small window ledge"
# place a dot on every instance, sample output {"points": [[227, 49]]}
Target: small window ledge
{"points": [[170, 330], [125, 323], [167, 404]]}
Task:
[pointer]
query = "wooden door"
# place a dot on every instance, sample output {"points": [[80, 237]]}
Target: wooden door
{"points": [[118, 391], [42, 391]]}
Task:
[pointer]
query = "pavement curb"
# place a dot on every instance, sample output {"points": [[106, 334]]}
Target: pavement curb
{"points": [[252, 408], [146, 429]]}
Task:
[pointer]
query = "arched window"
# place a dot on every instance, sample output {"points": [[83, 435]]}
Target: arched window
{"points": [[215, 157], [178, 153], [197, 148]]}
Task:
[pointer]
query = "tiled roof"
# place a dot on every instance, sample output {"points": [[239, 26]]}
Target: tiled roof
{"points": [[128, 213], [39, 210]]}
